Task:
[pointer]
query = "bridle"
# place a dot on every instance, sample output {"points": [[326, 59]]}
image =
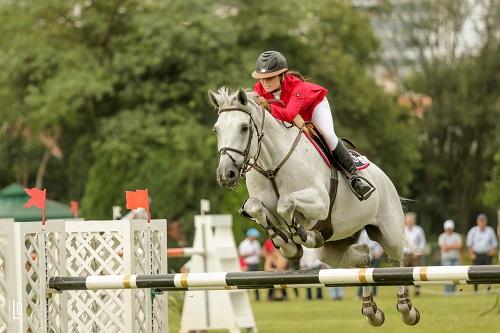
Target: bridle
{"points": [[252, 126], [251, 162]]}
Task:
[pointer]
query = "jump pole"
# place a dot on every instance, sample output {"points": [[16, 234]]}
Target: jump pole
{"points": [[487, 274], [184, 252]]}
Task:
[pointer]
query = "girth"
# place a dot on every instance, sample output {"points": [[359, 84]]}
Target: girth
{"points": [[325, 227]]}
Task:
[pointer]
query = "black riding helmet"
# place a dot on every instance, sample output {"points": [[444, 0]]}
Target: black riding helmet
{"points": [[269, 64]]}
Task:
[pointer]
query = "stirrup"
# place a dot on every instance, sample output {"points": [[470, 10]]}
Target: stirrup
{"points": [[365, 196]]}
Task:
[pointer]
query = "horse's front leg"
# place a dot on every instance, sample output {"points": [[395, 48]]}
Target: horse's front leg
{"points": [[304, 208], [260, 214]]}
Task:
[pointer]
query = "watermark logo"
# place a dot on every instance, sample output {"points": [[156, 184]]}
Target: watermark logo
{"points": [[15, 309]]}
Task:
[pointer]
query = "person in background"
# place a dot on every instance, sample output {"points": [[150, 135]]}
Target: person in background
{"points": [[243, 264], [336, 293], [274, 262], [249, 250], [415, 238], [498, 235], [186, 268], [376, 252], [481, 243], [450, 244], [310, 261], [267, 252]]}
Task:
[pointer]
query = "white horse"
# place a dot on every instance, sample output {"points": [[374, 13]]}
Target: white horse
{"points": [[289, 183]]}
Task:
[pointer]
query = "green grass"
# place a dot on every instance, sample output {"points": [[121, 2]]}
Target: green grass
{"points": [[439, 313]]}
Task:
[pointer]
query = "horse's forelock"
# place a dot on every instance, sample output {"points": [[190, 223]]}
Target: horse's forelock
{"points": [[224, 96], [227, 97]]}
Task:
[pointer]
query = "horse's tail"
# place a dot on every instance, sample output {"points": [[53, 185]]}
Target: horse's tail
{"points": [[404, 203]]}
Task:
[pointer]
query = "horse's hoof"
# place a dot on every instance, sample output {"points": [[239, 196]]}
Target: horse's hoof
{"points": [[378, 319], [365, 261], [417, 317], [302, 234], [297, 255], [403, 307], [412, 317], [372, 313]]}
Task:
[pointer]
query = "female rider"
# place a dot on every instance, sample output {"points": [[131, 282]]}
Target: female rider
{"points": [[287, 95]]}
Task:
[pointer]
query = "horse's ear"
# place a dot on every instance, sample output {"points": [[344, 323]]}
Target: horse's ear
{"points": [[242, 96], [213, 98]]}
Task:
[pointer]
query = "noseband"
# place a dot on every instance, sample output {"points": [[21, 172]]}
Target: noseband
{"points": [[248, 164]]}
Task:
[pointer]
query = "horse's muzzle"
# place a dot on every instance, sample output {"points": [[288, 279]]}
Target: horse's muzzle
{"points": [[227, 176]]}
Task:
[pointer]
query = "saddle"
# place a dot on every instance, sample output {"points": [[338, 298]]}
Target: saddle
{"points": [[360, 161]]}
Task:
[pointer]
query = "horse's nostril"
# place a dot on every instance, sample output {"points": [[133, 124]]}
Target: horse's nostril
{"points": [[231, 174]]}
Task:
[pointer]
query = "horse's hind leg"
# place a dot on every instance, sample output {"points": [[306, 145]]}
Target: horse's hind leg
{"points": [[370, 310], [343, 253], [392, 245], [409, 313]]}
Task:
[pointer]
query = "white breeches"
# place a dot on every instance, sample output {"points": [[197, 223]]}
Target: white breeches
{"points": [[323, 120]]}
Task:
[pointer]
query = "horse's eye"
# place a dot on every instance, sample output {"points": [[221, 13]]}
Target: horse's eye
{"points": [[244, 128]]}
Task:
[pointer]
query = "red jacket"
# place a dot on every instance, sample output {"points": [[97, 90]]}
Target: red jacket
{"points": [[298, 97]]}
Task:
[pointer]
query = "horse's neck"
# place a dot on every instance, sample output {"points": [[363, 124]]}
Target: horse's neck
{"points": [[276, 142]]}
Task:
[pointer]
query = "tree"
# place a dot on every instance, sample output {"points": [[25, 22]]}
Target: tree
{"points": [[492, 193], [119, 89], [54, 73], [460, 132]]}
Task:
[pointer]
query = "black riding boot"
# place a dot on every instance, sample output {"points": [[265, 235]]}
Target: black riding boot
{"points": [[342, 156]]}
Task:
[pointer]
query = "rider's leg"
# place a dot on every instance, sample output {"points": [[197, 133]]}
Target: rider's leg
{"points": [[343, 157], [323, 121]]}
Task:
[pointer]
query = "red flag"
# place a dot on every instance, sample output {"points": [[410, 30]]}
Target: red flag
{"points": [[74, 208], [37, 199], [138, 199]]}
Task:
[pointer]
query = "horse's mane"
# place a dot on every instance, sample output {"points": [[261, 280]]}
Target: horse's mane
{"points": [[226, 97]]}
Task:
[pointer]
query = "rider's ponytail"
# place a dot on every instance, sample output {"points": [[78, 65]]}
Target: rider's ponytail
{"points": [[296, 74]]}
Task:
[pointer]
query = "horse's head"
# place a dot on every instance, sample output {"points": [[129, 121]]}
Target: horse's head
{"points": [[237, 133]]}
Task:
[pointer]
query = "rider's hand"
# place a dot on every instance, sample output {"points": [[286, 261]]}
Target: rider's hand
{"points": [[263, 102], [299, 121]]}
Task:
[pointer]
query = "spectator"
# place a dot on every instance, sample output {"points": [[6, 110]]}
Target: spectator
{"points": [[336, 293], [481, 243], [243, 264], [376, 252], [498, 235], [186, 268], [249, 250], [450, 244], [267, 252], [310, 261], [415, 238], [274, 262]]}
